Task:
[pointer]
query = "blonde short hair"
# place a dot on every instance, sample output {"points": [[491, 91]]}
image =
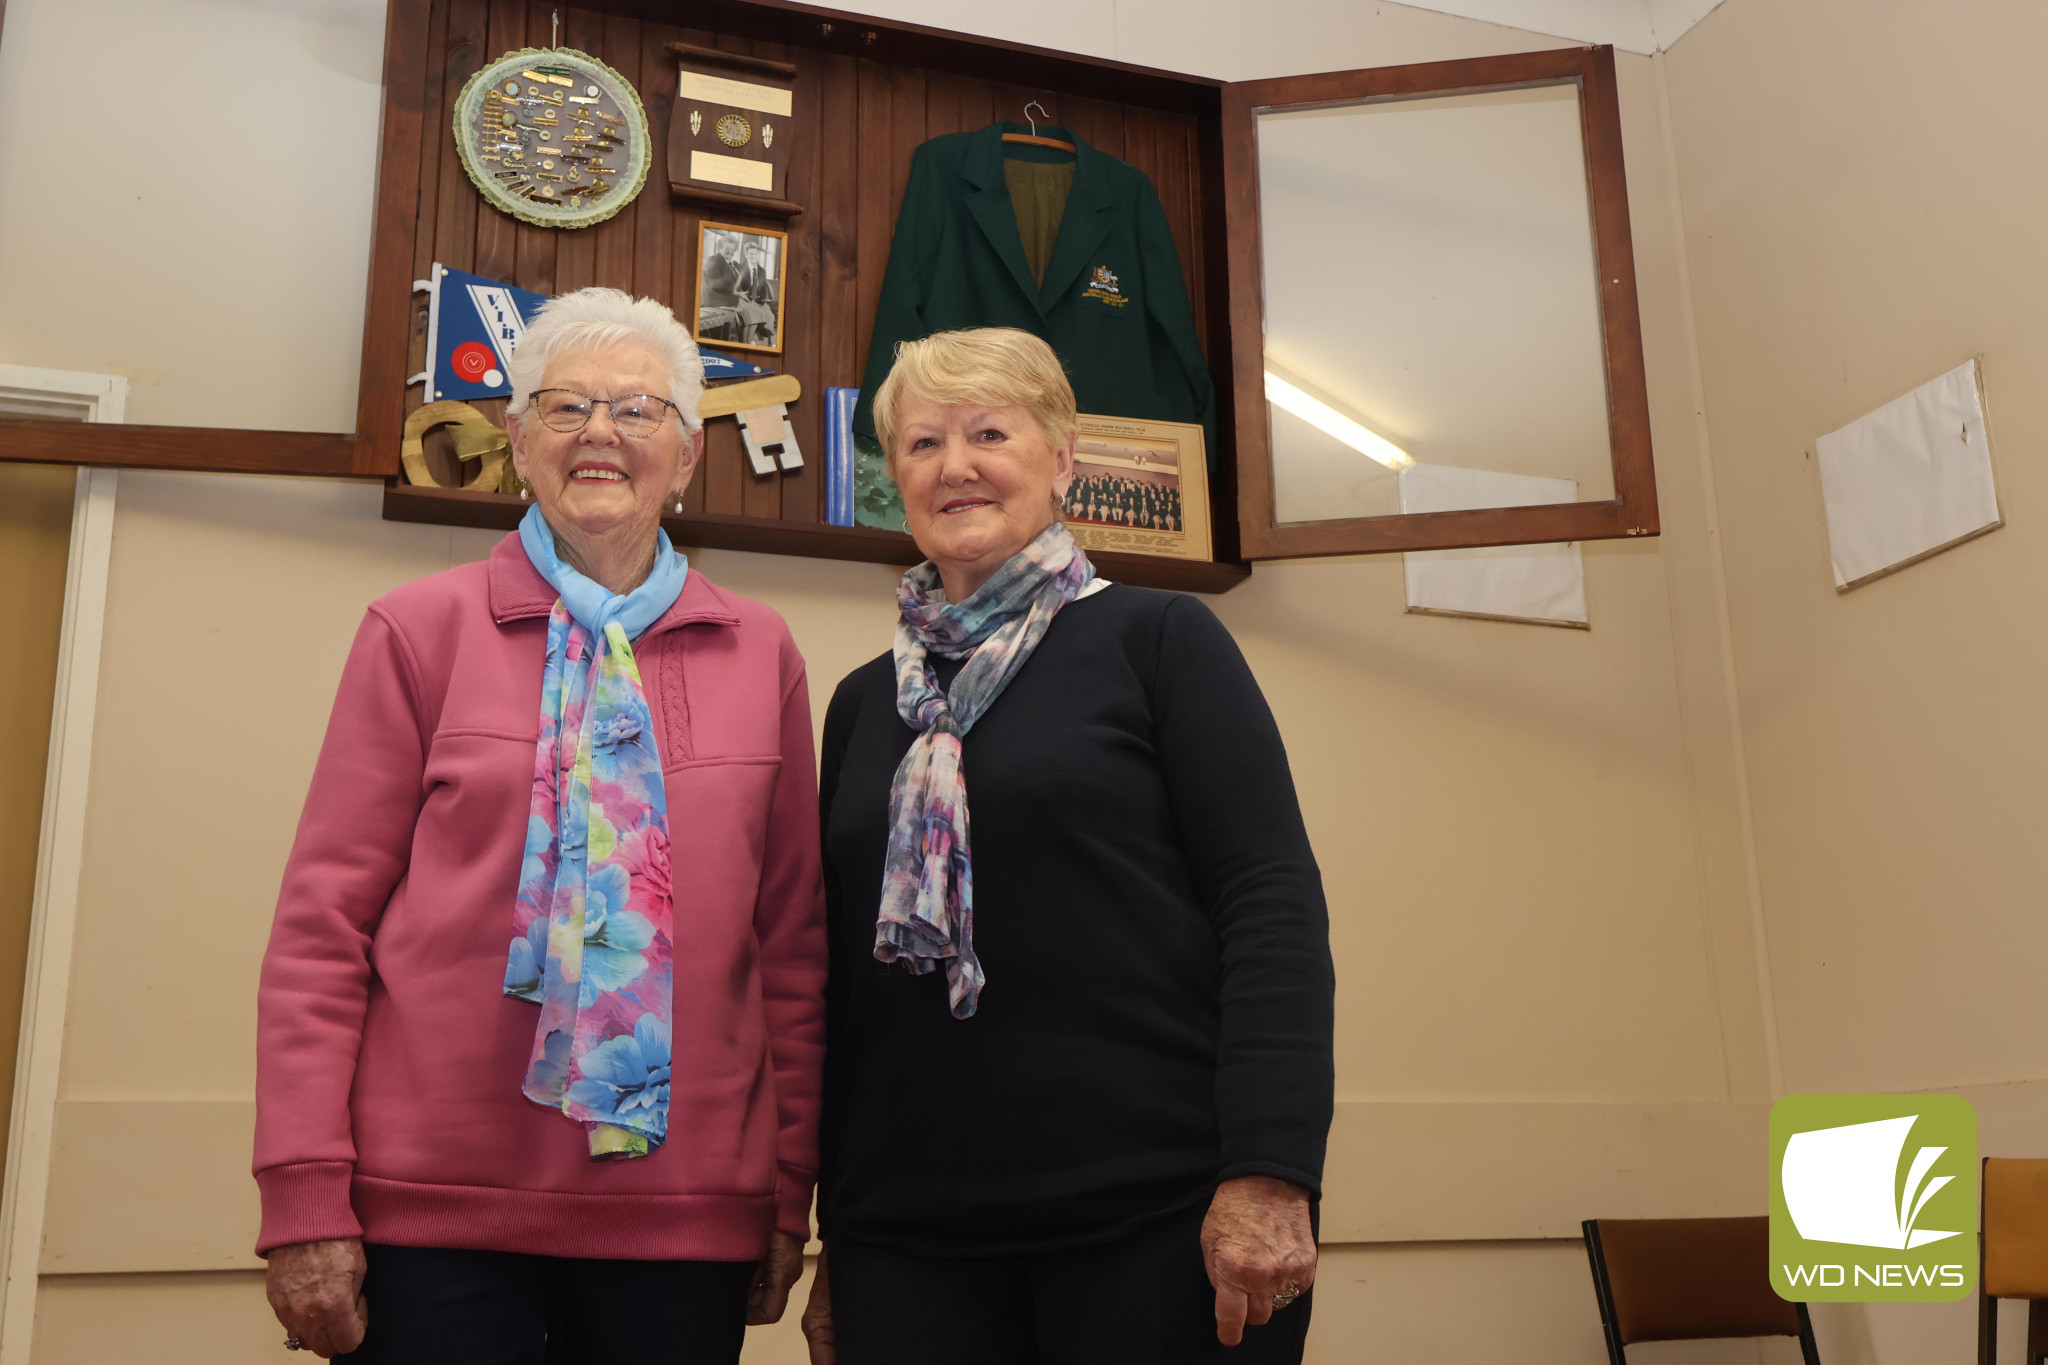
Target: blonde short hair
{"points": [[595, 318], [1000, 367]]}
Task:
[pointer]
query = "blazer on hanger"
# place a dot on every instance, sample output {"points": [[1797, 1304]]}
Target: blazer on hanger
{"points": [[1113, 304]]}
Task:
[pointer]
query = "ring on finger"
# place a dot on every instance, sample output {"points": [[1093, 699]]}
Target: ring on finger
{"points": [[1286, 1296], [294, 1344]]}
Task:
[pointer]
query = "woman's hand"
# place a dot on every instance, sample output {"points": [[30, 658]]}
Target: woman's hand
{"points": [[773, 1276], [316, 1290], [817, 1319], [1256, 1244]]}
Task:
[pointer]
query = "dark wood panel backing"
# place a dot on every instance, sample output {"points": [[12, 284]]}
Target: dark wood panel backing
{"points": [[834, 223], [576, 251], [534, 257], [456, 203], [761, 495], [800, 492], [876, 198], [1244, 280], [496, 255], [653, 220], [387, 304], [724, 475], [955, 102], [434, 114], [1210, 268], [618, 46], [1163, 146], [1096, 122]]}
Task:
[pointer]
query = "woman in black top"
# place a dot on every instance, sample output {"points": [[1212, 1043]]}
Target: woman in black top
{"points": [[1079, 1076]]}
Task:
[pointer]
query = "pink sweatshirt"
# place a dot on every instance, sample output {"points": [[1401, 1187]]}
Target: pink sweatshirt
{"points": [[388, 1058]]}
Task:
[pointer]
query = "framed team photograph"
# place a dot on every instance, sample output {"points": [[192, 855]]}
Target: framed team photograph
{"points": [[1140, 488], [739, 286]]}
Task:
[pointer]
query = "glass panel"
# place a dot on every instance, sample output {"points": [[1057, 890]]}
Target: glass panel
{"points": [[1432, 308]]}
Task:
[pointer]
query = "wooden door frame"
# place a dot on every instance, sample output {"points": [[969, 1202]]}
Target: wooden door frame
{"points": [[60, 862]]}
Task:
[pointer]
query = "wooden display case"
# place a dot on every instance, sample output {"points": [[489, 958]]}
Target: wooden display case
{"points": [[868, 92]]}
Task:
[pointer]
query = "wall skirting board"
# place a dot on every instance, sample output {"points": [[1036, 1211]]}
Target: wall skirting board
{"points": [[163, 1185]]}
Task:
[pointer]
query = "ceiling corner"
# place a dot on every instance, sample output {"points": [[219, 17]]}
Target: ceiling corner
{"points": [[1671, 20]]}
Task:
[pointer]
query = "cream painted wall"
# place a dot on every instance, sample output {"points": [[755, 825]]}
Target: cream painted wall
{"points": [[1533, 840], [1862, 185], [1860, 217]]}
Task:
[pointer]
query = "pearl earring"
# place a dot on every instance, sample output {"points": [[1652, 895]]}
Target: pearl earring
{"points": [[525, 490], [679, 502]]}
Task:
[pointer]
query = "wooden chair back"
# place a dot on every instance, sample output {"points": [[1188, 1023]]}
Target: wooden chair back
{"points": [[2013, 1251], [1685, 1279]]}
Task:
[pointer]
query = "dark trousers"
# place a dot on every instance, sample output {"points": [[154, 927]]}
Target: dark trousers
{"points": [[1142, 1300], [430, 1306]]}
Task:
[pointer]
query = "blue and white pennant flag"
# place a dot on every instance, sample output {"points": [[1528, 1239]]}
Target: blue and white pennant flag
{"points": [[474, 325]]}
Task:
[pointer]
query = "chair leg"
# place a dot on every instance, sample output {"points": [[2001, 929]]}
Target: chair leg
{"points": [[2037, 1331], [1987, 1326], [1809, 1349], [1603, 1292]]}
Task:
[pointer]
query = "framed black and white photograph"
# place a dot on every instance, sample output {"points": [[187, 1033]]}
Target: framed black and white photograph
{"points": [[739, 286]]}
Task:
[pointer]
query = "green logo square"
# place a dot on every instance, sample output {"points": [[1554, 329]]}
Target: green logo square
{"points": [[1873, 1198]]}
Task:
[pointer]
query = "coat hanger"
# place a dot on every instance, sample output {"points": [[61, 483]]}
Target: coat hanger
{"points": [[1032, 137]]}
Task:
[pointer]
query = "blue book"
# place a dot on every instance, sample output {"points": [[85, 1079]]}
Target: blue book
{"points": [[839, 455]]}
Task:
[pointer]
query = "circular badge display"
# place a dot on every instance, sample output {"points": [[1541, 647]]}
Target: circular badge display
{"points": [[733, 130], [553, 137]]}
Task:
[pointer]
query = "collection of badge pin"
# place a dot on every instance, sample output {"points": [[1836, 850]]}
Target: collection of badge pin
{"points": [[537, 160]]}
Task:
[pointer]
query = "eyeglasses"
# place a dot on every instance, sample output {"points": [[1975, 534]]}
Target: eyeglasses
{"points": [[634, 414]]}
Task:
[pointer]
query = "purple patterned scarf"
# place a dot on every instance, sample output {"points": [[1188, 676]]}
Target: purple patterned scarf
{"points": [[927, 914]]}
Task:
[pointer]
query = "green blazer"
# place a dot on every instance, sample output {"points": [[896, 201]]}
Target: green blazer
{"points": [[1114, 305]]}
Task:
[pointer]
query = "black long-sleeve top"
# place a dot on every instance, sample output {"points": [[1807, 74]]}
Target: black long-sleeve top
{"points": [[1158, 1010]]}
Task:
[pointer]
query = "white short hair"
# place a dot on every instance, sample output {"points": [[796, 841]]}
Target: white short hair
{"points": [[594, 318]]}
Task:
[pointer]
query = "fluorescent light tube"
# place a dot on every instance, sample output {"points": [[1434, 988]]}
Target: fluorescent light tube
{"points": [[1325, 418]]}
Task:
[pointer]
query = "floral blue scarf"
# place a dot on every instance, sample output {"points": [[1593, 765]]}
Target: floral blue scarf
{"points": [[591, 932], [927, 914]]}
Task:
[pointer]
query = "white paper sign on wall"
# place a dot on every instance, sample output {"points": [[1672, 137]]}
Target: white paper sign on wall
{"points": [[1545, 584], [1910, 479]]}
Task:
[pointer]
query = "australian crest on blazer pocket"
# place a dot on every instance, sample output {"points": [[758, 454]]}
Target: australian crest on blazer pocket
{"points": [[1104, 289]]}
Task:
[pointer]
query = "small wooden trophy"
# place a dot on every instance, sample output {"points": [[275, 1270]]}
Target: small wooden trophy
{"points": [[729, 141]]}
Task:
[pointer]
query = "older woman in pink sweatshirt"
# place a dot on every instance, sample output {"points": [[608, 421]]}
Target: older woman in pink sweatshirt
{"points": [[541, 1020]]}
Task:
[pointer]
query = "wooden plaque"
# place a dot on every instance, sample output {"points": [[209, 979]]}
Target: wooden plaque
{"points": [[729, 141]]}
